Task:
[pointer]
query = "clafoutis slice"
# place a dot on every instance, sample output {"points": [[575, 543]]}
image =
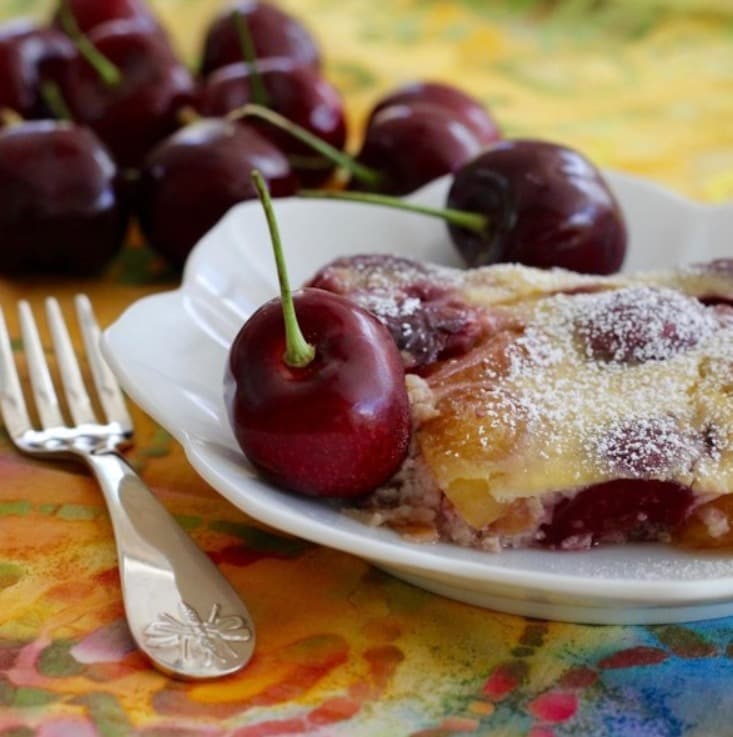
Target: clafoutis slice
{"points": [[556, 409]]}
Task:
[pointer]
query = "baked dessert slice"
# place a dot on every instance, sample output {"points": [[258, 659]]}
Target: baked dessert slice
{"points": [[552, 408]]}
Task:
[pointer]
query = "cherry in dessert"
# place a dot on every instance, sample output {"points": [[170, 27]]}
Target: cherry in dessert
{"points": [[531, 202], [458, 103], [60, 213], [615, 511], [28, 56], [275, 34], [323, 412], [132, 103], [194, 176], [641, 324], [428, 321], [299, 93]]}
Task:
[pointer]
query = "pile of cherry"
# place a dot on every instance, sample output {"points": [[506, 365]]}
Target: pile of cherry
{"points": [[92, 133]]}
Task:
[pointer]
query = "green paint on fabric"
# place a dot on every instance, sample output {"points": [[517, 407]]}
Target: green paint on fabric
{"points": [[259, 540], [18, 508], [106, 713], [47, 509], [10, 574], [159, 446], [56, 660], [77, 512], [7, 693], [188, 521], [352, 76], [27, 697]]}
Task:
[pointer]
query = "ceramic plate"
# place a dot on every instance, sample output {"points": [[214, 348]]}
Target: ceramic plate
{"points": [[169, 352]]}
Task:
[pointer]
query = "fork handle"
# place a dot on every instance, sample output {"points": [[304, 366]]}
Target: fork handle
{"points": [[182, 612]]}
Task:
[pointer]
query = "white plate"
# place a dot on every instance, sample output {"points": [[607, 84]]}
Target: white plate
{"points": [[169, 352]]}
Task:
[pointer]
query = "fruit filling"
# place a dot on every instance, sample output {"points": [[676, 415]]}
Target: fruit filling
{"points": [[555, 409]]}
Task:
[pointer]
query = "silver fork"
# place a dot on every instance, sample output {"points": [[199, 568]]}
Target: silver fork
{"points": [[182, 613]]}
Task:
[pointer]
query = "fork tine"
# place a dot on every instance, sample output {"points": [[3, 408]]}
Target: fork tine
{"points": [[44, 393], [12, 402], [110, 394], [77, 398]]}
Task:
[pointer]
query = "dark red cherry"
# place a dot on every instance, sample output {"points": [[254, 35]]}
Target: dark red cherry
{"points": [[468, 110], [616, 511], [60, 212], [339, 427], [641, 324], [28, 56], [139, 110], [193, 177], [428, 320], [274, 34], [411, 145], [299, 93], [315, 390], [89, 14], [546, 205]]}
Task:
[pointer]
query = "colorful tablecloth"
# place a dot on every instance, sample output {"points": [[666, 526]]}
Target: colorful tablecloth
{"points": [[344, 650]]}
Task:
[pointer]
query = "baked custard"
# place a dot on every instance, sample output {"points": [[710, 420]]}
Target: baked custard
{"points": [[556, 409]]}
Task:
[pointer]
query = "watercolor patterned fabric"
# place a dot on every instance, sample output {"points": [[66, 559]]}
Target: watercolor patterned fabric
{"points": [[343, 650]]}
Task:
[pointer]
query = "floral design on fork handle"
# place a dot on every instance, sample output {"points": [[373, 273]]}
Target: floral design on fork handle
{"points": [[198, 639]]}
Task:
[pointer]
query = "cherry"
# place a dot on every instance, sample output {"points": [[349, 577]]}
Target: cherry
{"points": [[531, 202], [134, 102], [458, 103], [617, 510], [92, 13], [546, 206], [60, 212], [275, 34], [194, 176], [427, 320], [411, 145], [323, 412], [641, 324], [299, 93], [405, 148], [28, 56]]}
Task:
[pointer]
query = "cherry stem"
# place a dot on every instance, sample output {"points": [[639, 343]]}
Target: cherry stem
{"points": [[247, 45], [108, 72], [360, 172], [298, 351], [55, 102], [461, 218]]}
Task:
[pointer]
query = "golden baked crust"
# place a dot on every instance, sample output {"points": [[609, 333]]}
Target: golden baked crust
{"points": [[568, 382]]}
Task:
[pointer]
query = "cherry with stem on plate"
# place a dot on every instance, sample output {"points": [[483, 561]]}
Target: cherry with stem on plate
{"points": [[315, 390], [126, 84], [275, 34], [190, 180], [458, 103], [526, 201], [63, 213], [406, 148]]}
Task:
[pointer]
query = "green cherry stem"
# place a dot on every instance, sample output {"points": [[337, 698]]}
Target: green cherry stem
{"points": [[298, 351], [247, 45], [108, 72], [460, 218], [364, 174], [55, 102]]}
